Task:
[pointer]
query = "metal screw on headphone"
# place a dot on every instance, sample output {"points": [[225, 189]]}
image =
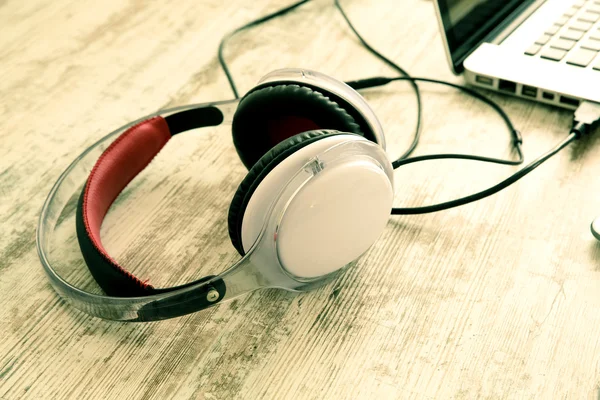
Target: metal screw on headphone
{"points": [[212, 295]]}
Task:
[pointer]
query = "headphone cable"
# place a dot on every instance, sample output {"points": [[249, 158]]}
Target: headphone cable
{"points": [[370, 48], [402, 71], [250, 24], [516, 135], [386, 60], [586, 118], [487, 192]]}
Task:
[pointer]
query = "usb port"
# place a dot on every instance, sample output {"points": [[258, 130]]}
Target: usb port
{"points": [[484, 80], [569, 101], [529, 91], [548, 95], [507, 86]]}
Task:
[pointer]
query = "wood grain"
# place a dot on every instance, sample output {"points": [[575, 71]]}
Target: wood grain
{"points": [[497, 299]]}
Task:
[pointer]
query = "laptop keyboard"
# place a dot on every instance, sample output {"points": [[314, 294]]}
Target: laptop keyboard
{"points": [[574, 38]]}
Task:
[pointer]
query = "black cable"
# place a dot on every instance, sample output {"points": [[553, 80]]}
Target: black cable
{"points": [[386, 60], [517, 139], [492, 190], [517, 142], [251, 24], [402, 71]]}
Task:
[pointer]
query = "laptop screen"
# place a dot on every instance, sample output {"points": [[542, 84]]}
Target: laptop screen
{"points": [[467, 22]]}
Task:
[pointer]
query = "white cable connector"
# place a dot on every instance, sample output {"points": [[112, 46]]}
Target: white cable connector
{"points": [[586, 117]]}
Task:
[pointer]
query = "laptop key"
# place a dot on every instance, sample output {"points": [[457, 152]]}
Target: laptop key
{"points": [[595, 35], [552, 30], [571, 34], [579, 3], [581, 26], [582, 57], [589, 17], [543, 39], [562, 20], [594, 8], [571, 11], [591, 44], [563, 44], [597, 67], [553, 54], [533, 49]]}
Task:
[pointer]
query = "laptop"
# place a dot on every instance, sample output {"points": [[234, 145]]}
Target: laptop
{"points": [[542, 50]]}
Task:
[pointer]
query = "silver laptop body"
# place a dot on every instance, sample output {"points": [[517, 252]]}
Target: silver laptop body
{"points": [[542, 50]]}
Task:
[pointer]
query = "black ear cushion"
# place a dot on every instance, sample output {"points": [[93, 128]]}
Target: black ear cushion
{"points": [[258, 172], [270, 114]]}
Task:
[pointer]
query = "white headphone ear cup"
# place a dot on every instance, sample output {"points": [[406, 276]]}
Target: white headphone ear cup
{"points": [[258, 204], [335, 217]]}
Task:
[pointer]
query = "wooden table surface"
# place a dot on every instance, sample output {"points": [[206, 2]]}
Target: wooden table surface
{"points": [[496, 299]]}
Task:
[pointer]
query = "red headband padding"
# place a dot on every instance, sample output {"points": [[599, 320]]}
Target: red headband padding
{"points": [[119, 164]]}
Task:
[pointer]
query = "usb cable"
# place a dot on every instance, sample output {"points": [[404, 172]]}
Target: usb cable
{"points": [[586, 119]]}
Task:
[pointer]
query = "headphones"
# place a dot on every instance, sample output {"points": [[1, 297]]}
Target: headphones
{"points": [[317, 195]]}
